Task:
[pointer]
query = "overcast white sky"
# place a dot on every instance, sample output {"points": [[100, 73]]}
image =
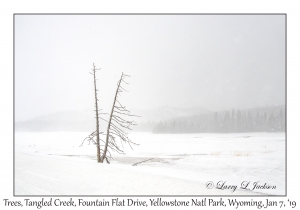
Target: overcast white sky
{"points": [[212, 61]]}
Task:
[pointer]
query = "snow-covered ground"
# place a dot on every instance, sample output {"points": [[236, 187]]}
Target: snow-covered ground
{"points": [[180, 164]]}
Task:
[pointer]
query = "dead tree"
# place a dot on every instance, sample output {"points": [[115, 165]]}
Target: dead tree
{"points": [[117, 124], [97, 132]]}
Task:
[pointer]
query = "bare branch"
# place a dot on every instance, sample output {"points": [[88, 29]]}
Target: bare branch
{"points": [[117, 124]]}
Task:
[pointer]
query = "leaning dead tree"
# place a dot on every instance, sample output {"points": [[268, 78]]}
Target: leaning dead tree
{"points": [[117, 124]]}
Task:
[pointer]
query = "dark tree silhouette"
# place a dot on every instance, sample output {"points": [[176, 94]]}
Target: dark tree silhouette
{"points": [[266, 119], [117, 124], [116, 127], [97, 132]]}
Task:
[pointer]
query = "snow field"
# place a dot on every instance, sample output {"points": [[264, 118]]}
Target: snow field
{"points": [[180, 164]]}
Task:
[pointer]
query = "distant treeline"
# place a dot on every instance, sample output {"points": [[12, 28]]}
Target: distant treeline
{"points": [[267, 119]]}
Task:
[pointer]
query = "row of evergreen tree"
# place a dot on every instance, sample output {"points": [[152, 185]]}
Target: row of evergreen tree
{"points": [[271, 119]]}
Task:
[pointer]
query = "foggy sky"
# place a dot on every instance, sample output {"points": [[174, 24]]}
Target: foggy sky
{"points": [[212, 61]]}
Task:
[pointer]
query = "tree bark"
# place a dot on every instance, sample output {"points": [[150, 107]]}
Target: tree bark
{"points": [[97, 118], [109, 122]]}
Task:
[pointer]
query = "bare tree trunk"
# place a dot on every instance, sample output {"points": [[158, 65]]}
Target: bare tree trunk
{"points": [[117, 124], [109, 122], [97, 117]]}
